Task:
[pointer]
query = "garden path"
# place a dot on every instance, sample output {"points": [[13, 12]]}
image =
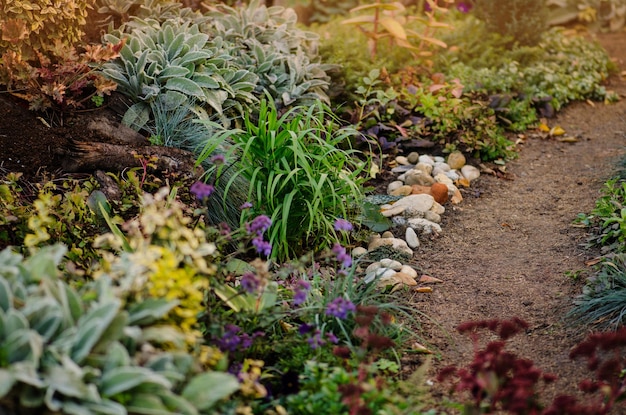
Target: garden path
{"points": [[507, 250]]}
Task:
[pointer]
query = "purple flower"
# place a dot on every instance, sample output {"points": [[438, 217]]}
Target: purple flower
{"points": [[258, 225], [232, 341], [332, 338], [246, 205], [316, 340], [217, 159], [342, 255], [224, 229], [343, 225], [340, 307], [300, 292], [262, 247], [201, 190], [250, 282], [305, 328], [464, 7]]}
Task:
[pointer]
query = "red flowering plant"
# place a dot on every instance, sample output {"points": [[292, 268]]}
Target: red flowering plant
{"points": [[498, 380]]}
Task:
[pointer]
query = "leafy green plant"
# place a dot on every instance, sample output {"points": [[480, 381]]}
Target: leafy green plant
{"points": [[608, 218], [81, 351], [268, 43], [299, 175], [176, 61], [523, 21], [601, 304]]}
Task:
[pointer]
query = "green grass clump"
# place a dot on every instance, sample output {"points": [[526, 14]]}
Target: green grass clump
{"points": [[602, 305], [298, 174]]}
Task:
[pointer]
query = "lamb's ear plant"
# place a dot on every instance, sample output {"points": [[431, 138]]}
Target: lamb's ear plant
{"points": [[80, 350], [266, 41], [298, 174], [175, 60]]}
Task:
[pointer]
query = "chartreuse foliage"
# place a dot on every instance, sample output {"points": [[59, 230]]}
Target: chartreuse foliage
{"points": [[30, 27], [43, 60], [86, 351]]}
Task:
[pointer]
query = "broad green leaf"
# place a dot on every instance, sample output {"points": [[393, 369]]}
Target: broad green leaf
{"points": [[136, 117], [122, 379], [173, 72], [91, 327], [7, 380], [186, 86], [205, 390], [6, 295], [67, 382], [194, 56], [149, 311], [22, 345]]}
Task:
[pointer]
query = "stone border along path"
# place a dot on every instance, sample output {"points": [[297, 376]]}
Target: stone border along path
{"points": [[506, 252]]}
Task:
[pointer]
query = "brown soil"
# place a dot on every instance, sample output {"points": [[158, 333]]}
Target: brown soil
{"points": [[504, 251]]}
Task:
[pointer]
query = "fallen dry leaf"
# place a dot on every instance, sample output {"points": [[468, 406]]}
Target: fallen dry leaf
{"points": [[420, 348], [556, 131], [567, 139], [424, 290], [427, 279]]}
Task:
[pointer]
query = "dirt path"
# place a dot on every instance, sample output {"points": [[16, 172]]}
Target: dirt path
{"points": [[506, 251]]}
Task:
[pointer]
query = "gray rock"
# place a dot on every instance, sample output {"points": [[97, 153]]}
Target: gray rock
{"points": [[411, 238], [421, 225], [413, 157], [432, 216], [470, 172], [391, 264], [394, 185], [409, 270], [358, 252], [416, 203], [393, 243], [403, 161], [453, 175], [425, 168], [418, 177], [393, 211], [426, 159]]}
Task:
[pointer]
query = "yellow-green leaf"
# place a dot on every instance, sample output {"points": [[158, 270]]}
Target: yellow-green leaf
{"points": [[393, 27], [359, 20], [395, 6]]}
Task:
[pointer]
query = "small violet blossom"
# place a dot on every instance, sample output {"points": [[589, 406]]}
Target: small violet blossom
{"points": [[258, 225], [340, 307], [300, 292], [262, 247], [246, 205], [342, 255], [232, 341], [343, 225], [217, 159], [201, 190], [250, 282], [316, 340]]}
